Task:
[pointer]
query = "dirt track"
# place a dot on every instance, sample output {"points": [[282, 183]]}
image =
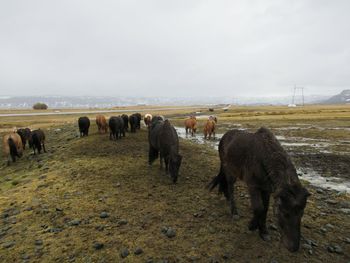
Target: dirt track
{"points": [[52, 204]]}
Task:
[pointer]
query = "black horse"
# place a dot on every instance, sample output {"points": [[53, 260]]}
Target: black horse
{"points": [[163, 139], [84, 125], [126, 121], [25, 136], [138, 122], [116, 127], [38, 140], [260, 161], [133, 120]]}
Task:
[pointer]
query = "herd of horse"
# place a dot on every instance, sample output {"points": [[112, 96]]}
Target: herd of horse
{"points": [[257, 158]]}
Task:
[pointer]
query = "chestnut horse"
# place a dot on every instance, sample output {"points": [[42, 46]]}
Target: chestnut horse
{"points": [[213, 118], [191, 124], [148, 120], [209, 128], [13, 147], [101, 123]]}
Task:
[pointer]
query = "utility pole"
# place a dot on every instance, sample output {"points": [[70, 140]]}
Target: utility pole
{"points": [[302, 94]]}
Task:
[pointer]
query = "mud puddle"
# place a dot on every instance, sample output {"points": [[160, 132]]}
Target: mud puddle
{"points": [[333, 183]]}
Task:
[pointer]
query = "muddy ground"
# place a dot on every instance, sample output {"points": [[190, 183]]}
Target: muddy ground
{"points": [[93, 200]]}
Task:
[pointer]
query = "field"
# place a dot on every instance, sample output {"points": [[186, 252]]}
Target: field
{"points": [[93, 200]]}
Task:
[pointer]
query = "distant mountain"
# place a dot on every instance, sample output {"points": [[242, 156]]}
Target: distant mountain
{"points": [[341, 98], [55, 102]]}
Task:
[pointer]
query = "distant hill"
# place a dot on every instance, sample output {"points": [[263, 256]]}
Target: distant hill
{"points": [[341, 98]]}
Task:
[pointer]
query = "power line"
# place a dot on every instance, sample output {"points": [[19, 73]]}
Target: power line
{"points": [[301, 89]]}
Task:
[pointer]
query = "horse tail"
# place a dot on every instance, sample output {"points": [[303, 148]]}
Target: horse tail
{"points": [[220, 180], [13, 147], [152, 155]]}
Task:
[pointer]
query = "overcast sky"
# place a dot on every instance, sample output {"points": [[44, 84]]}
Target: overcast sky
{"points": [[174, 48]]}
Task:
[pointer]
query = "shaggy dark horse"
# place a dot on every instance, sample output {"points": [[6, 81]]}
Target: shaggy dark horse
{"points": [[116, 127], [126, 121], [163, 139], [25, 136], [133, 120], [84, 125], [138, 122], [12, 145], [38, 140], [260, 161]]}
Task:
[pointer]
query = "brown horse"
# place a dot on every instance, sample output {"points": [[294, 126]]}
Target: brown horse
{"points": [[209, 128], [13, 147], [213, 118], [148, 120], [101, 123], [191, 124]]}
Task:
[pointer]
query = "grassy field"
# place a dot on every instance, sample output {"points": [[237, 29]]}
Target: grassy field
{"points": [[90, 199]]}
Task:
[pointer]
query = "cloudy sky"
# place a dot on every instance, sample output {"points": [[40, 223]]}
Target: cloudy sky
{"points": [[174, 48]]}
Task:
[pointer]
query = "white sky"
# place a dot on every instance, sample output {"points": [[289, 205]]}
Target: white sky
{"points": [[174, 48]]}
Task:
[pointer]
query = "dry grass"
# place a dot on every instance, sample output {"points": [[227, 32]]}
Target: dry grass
{"points": [[81, 177]]}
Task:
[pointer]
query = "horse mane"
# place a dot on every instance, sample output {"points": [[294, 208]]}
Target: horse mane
{"points": [[275, 158]]}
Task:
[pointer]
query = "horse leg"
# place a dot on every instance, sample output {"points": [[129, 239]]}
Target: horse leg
{"points": [[265, 196], [152, 155], [161, 160], [166, 159], [259, 213], [44, 147], [231, 192], [230, 175], [13, 157]]}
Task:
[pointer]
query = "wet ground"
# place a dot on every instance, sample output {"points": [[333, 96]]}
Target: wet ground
{"points": [[322, 162]]}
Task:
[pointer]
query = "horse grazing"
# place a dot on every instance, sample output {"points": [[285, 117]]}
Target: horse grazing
{"points": [[147, 120], [214, 118], [163, 140], [157, 118], [38, 140], [25, 136], [126, 121], [133, 120], [84, 125], [116, 127], [260, 161], [209, 128], [101, 123], [12, 146], [138, 122], [191, 125]]}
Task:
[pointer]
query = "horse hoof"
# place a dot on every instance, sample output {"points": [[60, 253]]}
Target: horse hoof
{"points": [[253, 225], [235, 217], [265, 236]]}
